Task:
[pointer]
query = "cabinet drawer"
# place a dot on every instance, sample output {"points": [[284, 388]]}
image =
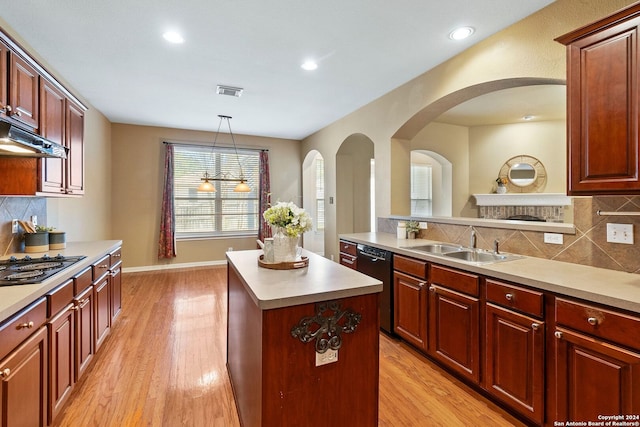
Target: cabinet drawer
{"points": [[115, 257], [100, 268], [349, 261], [59, 298], [82, 281], [18, 328], [606, 324], [454, 279], [348, 248], [415, 267], [520, 299]]}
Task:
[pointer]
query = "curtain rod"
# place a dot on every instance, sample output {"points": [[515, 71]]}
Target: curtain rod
{"points": [[204, 144], [619, 213]]}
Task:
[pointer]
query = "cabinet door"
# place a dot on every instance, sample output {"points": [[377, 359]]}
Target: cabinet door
{"points": [[23, 383], [84, 324], [116, 292], [75, 143], [4, 79], [23, 92], [102, 310], [602, 88], [454, 329], [61, 359], [515, 360], [52, 127], [594, 377], [410, 309]]}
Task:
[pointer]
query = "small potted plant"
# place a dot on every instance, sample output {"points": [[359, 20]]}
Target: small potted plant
{"points": [[502, 184], [412, 229]]}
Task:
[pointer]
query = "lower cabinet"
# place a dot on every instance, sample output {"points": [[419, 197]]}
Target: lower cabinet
{"points": [[348, 254], [116, 290], [102, 297], [84, 323], [23, 383], [515, 360], [597, 361], [410, 300], [454, 321]]}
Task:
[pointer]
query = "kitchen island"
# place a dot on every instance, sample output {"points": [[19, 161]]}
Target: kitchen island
{"points": [[302, 344]]}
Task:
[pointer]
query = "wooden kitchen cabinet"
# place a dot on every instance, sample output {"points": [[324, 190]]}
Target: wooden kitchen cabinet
{"points": [[349, 254], [454, 320], [74, 164], [116, 290], [515, 347], [24, 94], [597, 361], [24, 367], [410, 300], [603, 105], [4, 79]]}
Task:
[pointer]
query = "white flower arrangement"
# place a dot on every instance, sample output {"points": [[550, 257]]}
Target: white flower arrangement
{"points": [[288, 216]]}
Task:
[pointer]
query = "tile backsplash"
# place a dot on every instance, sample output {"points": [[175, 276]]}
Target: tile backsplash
{"points": [[18, 208], [588, 246]]}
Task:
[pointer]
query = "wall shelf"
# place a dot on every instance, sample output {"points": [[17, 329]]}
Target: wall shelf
{"points": [[523, 199]]}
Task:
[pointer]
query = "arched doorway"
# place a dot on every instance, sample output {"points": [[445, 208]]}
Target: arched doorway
{"points": [[313, 200]]}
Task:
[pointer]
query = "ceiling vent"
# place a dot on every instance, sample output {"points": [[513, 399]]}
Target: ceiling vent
{"points": [[229, 90]]}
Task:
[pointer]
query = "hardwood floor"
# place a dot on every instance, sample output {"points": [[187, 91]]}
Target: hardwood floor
{"points": [[164, 365]]}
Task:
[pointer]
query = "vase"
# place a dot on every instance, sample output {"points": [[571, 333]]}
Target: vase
{"points": [[36, 242], [285, 247], [501, 189]]}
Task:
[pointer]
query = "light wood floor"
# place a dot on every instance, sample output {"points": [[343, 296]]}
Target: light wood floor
{"points": [[164, 365]]}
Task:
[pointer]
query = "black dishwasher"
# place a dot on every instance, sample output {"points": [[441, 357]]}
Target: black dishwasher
{"points": [[377, 263]]}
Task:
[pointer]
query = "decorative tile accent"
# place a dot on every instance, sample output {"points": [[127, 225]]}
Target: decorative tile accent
{"points": [[548, 213], [588, 246]]}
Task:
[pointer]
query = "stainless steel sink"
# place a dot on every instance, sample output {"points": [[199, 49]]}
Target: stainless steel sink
{"points": [[480, 257], [435, 248]]}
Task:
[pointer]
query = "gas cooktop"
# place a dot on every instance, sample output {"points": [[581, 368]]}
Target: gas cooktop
{"points": [[27, 270]]}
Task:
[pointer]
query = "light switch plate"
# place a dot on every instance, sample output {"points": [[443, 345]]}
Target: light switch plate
{"points": [[620, 233]]}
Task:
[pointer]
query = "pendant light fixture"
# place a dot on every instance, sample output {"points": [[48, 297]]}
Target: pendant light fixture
{"points": [[206, 186]]}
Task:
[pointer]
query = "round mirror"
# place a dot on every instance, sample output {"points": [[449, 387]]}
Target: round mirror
{"points": [[522, 174]]}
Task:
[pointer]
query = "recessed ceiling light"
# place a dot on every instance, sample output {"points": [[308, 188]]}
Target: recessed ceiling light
{"points": [[461, 33], [528, 117], [173, 37], [309, 65]]}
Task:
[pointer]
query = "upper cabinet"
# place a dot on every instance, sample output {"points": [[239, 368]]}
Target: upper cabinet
{"points": [[603, 105], [33, 99]]}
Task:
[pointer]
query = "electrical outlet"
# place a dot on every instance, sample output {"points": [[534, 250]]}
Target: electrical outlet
{"points": [[620, 233], [423, 225], [554, 238], [229, 249], [14, 226], [34, 220], [328, 356]]}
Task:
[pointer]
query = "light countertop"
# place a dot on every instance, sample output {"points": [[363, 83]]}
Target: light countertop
{"points": [[609, 287], [322, 280], [15, 298]]}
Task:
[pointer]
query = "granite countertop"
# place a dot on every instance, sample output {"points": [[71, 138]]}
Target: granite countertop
{"points": [[322, 280], [15, 298], [610, 287]]}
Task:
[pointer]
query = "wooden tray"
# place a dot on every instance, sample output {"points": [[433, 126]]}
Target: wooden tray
{"points": [[301, 263]]}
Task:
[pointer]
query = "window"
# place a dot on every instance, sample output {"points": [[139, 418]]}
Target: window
{"points": [[319, 193], [421, 203], [222, 213]]}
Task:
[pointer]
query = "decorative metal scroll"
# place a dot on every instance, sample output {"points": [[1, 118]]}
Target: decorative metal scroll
{"points": [[316, 327]]}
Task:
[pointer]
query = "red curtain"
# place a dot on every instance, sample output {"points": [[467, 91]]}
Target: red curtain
{"points": [[264, 230], [167, 241]]}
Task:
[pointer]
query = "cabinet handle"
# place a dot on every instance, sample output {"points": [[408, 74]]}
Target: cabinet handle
{"points": [[25, 325], [74, 308], [535, 326], [103, 266], [5, 372], [117, 255], [432, 288], [592, 321], [509, 297], [8, 108], [17, 113], [558, 334], [347, 261]]}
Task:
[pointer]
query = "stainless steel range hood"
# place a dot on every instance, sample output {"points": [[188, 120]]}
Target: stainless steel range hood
{"points": [[16, 142]]}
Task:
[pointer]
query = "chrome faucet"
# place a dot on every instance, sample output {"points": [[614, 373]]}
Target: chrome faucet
{"points": [[473, 241], [496, 249]]}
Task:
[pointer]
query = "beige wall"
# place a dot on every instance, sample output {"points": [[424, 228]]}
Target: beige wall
{"points": [[137, 165], [525, 50]]}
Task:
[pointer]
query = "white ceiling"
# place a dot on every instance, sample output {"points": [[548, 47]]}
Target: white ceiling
{"points": [[113, 54]]}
